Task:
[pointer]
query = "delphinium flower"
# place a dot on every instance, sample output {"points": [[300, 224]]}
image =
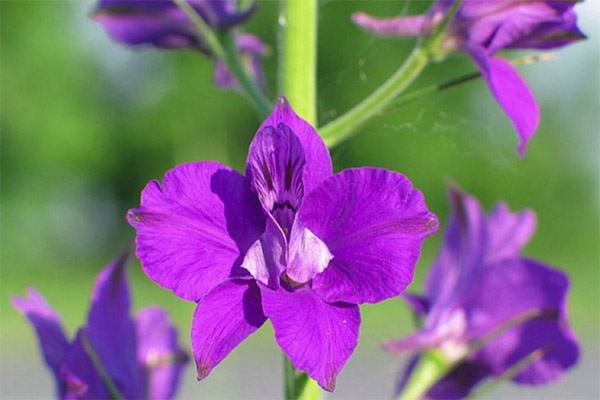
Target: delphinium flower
{"points": [[481, 29], [289, 241], [113, 355], [488, 308], [162, 24]]}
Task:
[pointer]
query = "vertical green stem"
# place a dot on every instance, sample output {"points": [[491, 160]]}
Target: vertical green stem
{"points": [[343, 127], [432, 366], [297, 76], [298, 58]]}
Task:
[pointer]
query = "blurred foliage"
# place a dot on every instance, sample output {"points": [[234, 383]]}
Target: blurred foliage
{"points": [[87, 123]]}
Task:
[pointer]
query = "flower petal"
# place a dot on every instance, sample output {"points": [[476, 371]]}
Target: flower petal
{"points": [[159, 352], [110, 329], [509, 291], [195, 228], [80, 377], [307, 254], [317, 337], [275, 166], [318, 162], [460, 260], [223, 319], [511, 92], [373, 222], [46, 322], [266, 259], [156, 23], [415, 25], [508, 232]]}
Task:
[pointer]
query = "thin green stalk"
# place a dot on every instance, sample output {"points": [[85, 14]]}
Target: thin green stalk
{"points": [[231, 58], [298, 58], [113, 391], [432, 366], [224, 48], [343, 127]]}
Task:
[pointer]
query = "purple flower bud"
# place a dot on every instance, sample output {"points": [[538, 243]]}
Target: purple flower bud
{"points": [[141, 357], [289, 241], [481, 29], [489, 308]]}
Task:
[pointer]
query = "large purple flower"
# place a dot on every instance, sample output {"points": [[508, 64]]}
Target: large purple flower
{"points": [[113, 355], [162, 24], [481, 29], [480, 290], [289, 241]]}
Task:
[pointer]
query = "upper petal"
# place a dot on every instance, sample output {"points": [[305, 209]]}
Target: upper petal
{"points": [[317, 337], [159, 352], [373, 222], [46, 322], [195, 228], [224, 318], [318, 162], [110, 328], [511, 92], [508, 233], [275, 166]]}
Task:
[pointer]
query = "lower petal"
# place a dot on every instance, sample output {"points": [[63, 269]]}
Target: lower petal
{"points": [[159, 352], [317, 337], [511, 92], [223, 319]]}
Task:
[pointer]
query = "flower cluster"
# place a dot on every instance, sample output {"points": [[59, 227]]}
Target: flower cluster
{"points": [[113, 355], [481, 29], [290, 242], [489, 309], [162, 24]]}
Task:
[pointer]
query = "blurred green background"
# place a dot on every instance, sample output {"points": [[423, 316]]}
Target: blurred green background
{"points": [[86, 123]]}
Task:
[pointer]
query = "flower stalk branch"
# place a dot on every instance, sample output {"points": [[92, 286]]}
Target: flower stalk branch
{"points": [[224, 48], [432, 366]]}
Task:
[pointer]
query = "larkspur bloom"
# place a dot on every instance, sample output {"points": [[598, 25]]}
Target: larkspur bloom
{"points": [[290, 242], [113, 355], [162, 24], [481, 29], [489, 308]]}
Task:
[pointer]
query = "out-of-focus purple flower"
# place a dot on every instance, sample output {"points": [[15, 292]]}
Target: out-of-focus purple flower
{"points": [[482, 28], [113, 354], [290, 241], [480, 290], [162, 24]]}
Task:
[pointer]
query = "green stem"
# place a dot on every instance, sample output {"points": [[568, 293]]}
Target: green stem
{"points": [[223, 47], [298, 58], [343, 127], [249, 86], [432, 366], [297, 79]]}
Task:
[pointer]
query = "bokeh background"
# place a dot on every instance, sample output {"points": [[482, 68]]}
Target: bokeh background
{"points": [[86, 123]]}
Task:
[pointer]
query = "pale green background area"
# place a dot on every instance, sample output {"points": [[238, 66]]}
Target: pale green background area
{"points": [[86, 123]]}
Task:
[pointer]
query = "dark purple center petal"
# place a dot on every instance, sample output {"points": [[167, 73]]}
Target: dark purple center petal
{"points": [[275, 165]]}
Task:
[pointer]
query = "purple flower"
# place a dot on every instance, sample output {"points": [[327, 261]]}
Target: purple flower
{"points": [[140, 357], [290, 242], [162, 24], [480, 290], [481, 29]]}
